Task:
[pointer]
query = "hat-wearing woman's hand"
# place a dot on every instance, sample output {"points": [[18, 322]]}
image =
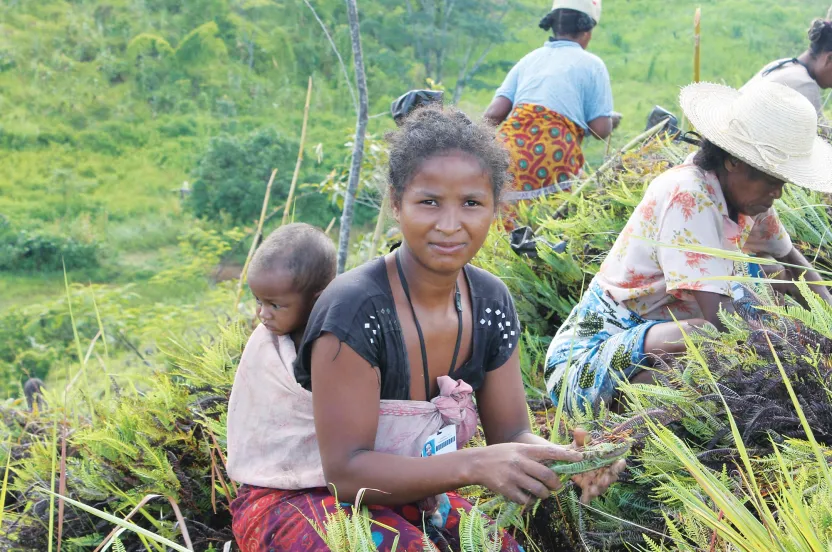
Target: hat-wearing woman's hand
{"points": [[595, 483], [616, 119]]}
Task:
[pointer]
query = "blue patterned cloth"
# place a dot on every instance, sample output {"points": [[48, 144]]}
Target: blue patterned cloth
{"points": [[601, 342]]}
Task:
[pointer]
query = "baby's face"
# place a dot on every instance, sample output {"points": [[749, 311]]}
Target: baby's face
{"points": [[280, 307]]}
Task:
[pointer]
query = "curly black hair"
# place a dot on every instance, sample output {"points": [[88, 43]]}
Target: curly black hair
{"points": [[820, 37], [711, 157], [434, 130], [305, 251], [567, 22]]}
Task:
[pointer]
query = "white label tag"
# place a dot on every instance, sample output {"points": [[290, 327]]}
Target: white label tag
{"points": [[441, 442]]}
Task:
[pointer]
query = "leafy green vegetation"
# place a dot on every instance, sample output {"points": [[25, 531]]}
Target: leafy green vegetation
{"points": [[108, 108]]}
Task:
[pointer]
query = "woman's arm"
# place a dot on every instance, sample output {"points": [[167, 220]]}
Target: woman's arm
{"points": [[601, 127], [345, 397], [795, 257], [710, 303], [498, 110]]}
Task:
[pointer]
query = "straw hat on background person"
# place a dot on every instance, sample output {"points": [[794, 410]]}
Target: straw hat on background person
{"points": [[590, 7], [768, 126]]}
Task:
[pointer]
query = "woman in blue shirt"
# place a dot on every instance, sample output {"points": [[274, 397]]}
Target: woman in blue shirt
{"points": [[550, 100]]}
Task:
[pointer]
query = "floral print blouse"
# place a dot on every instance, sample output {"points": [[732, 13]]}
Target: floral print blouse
{"points": [[683, 206]]}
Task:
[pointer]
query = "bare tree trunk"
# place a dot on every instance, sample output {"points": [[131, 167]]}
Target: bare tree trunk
{"points": [[360, 132], [420, 52], [465, 74]]}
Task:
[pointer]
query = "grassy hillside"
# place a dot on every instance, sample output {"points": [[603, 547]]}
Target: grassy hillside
{"points": [[108, 107]]}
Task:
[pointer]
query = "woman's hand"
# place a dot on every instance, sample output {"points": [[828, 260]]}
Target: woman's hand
{"points": [[518, 471], [595, 483]]}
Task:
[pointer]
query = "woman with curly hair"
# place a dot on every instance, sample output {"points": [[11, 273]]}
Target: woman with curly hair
{"points": [[550, 101], [392, 355]]}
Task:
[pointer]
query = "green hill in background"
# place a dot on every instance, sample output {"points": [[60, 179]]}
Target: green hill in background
{"points": [[108, 107]]}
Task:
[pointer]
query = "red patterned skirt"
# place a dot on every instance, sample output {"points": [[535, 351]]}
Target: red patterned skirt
{"points": [[271, 520], [545, 152]]}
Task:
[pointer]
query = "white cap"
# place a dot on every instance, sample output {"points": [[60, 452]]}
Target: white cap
{"points": [[590, 7]]}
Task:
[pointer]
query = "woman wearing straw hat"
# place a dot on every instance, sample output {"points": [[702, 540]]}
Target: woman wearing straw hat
{"points": [[808, 73], [550, 100], [659, 269]]}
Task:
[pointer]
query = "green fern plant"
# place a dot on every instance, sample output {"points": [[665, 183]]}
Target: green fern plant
{"points": [[817, 315], [477, 533]]}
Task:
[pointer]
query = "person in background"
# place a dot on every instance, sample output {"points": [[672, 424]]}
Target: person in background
{"points": [[550, 101], [807, 73], [660, 270]]}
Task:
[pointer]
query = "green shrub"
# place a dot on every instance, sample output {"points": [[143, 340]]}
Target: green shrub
{"points": [[25, 250], [232, 175]]}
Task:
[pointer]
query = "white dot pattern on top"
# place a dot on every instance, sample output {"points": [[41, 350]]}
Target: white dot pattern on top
{"points": [[358, 308]]}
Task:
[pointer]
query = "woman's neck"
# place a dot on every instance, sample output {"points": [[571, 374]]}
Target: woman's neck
{"points": [[427, 287], [580, 39], [809, 62]]}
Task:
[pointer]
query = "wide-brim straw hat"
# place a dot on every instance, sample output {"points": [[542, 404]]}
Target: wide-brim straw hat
{"points": [[590, 7], [769, 126]]}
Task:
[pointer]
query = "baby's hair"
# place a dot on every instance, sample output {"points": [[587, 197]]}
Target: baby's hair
{"points": [[820, 37], [433, 131], [567, 22], [305, 251]]}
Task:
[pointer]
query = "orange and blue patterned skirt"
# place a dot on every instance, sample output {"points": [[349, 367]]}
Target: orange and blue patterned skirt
{"points": [[546, 154]]}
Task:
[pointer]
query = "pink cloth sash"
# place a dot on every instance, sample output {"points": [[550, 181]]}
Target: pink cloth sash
{"points": [[271, 427]]}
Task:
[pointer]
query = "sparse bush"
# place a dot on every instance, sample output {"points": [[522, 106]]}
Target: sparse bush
{"points": [[232, 175], [37, 251]]}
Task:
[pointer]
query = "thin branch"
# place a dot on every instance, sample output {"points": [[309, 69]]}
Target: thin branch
{"points": [[337, 54], [254, 241], [360, 132], [300, 155]]}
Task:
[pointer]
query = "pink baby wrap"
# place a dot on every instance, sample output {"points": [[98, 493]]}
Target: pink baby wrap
{"points": [[271, 427]]}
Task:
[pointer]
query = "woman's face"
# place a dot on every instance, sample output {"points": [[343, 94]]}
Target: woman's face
{"points": [[749, 191], [823, 70], [446, 211]]}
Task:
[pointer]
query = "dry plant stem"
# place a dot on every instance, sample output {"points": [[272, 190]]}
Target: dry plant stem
{"points": [[254, 240], [185, 535], [337, 54], [360, 132], [6, 478], [62, 485], [697, 40], [596, 177], [300, 154], [382, 215], [218, 450], [331, 224]]}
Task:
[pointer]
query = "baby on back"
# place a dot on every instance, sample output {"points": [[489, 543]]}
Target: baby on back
{"points": [[287, 274]]}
